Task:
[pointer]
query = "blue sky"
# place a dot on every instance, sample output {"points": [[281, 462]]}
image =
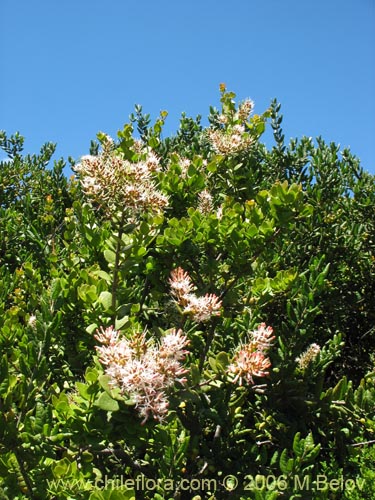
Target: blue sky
{"points": [[70, 69]]}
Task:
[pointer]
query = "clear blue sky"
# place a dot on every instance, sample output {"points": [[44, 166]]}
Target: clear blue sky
{"points": [[72, 68]]}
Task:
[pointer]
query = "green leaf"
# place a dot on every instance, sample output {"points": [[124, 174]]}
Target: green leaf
{"points": [[286, 464], [222, 361], [61, 404], [87, 293], [104, 381], [61, 468], [212, 363], [91, 375], [114, 392], [144, 228], [83, 390], [4, 381], [120, 323], [91, 328], [105, 402], [141, 251], [110, 256], [311, 455], [195, 374], [298, 444], [102, 274], [105, 298], [135, 308], [309, 442]]}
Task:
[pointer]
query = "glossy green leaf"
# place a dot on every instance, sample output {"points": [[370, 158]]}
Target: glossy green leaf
{"points": [[105, 298], [105, 402]]}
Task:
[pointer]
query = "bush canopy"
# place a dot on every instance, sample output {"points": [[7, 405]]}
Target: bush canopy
{"points": [[188, 317]]}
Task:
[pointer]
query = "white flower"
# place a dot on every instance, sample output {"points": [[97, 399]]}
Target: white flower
{"points": [[230, 141], [251, 361], [247, 364], [203, 308], [200, 308], [115, 183], [219, 212], [181, 285], [307, 357], [205, 204], [263, 337], [173, 345], [244, 109], [32, 321], [143, 370]]}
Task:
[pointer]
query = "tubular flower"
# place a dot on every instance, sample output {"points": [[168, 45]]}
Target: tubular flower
{"points": [[200, 308], [107, 336], [251, 360], [173, 345], [308, 356], [142, 370], [116, 183], [181, 285], [262, 337]]}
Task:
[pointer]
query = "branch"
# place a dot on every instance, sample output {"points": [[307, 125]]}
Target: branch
{"points": [[363, 443], [117, 264]]}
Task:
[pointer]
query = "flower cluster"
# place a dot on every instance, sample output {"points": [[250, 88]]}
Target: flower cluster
{"points": [[230, 140], [32, 321], [142, 370], [205, 203], [117, 184], [251, 360], [232, 137], [201, 309], [181, 286], [244, 110], [307, 357], [184, 164]]}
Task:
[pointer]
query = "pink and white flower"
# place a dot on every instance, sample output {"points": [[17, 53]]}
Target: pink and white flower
{"points": [[143, 370], [250, 360]]}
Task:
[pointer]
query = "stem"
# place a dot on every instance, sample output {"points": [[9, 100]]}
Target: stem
{"points": [[210, 338], [117, 265], [146, 288], [364, 443]]}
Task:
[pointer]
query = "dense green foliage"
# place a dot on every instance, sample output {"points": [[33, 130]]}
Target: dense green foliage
{"points": [[282, 236]]}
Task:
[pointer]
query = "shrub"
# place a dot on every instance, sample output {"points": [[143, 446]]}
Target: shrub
{"points": [[188, 316]]}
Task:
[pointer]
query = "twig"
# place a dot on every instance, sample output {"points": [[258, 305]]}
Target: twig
{"points": [[117, 263], [363, 443]]}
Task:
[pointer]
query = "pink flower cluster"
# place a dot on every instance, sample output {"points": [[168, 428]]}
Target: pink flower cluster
{"points": [[201, 309], [251, 360], [143, 370]]}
